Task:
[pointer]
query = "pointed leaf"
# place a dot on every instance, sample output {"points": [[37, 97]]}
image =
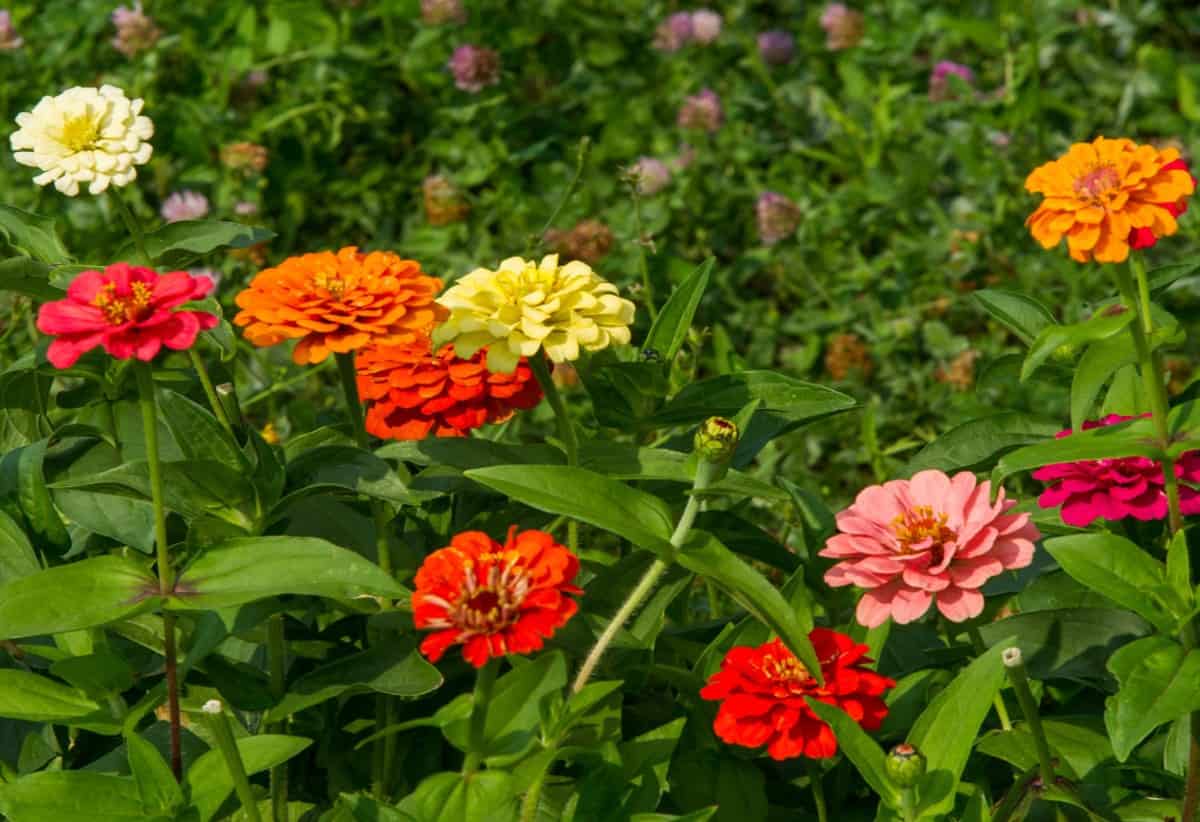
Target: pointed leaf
{"points": [[24, 275], [785, 401], [976, 442], [156, 784], [1158, 685], [34, 698], [670, 329], [209, 778], [1134, 438], [32, 235], [1118, 569], [180, 244], [17, 558], [83, 594], [73, 796], [1024, 316], [861, 749]]}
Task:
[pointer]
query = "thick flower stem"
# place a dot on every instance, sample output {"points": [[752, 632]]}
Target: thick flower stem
{"points": [[218, 726], [484, 682], [1020, 682], [566, 430], [133, 226], [277, 662], [818, 789], [1001, 709], [166, 579]]}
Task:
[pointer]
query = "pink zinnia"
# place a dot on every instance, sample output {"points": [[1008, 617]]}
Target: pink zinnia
{"points": [[127, 310], [934, 536], [1114, 489]]}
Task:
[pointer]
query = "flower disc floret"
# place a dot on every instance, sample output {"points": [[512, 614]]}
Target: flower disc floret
{"points": [[96, 136], [523, 307], [339, 302]]}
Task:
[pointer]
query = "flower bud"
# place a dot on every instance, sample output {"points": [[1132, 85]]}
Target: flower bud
{"points": [[905, 765], [717, 439]]}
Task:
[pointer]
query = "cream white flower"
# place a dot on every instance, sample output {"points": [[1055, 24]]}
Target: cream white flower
{"points": [[524, 306], [84, 135]]}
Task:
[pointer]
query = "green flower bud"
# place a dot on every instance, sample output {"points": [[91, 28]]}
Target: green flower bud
{"points": [[905, 765], [716, 439]]}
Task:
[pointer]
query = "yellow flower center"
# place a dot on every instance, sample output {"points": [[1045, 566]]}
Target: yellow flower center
{"points": [[79, 133], [332, 282], [489, 604], [786, 670], [119, 310], [921, 524], [1098, 184]]}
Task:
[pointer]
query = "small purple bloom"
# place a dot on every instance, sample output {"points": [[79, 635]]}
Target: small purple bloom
{"points": [[776, 47], [674, 33], [706, 26], [652, 175], [702, 111], [940, 85], [778, 217], [475, 67], [184, 205]]}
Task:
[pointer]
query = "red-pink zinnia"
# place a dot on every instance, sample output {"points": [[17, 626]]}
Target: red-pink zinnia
{"points": [[127, 310], [909, 542]]}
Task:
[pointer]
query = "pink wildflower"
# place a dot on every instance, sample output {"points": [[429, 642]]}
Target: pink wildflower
{"points": [[777, 216], [9, 39], [702, 111], [652, 175], [706, 26], [674, 33], [474, 68], [135, 30], [940, 87], [184, 205], [843, 26]]}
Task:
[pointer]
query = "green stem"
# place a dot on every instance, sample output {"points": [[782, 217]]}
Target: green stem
{"points": [[580, 161], [533, 797], [643, 261], [908, 804], [1191, 790], [132, 226], [349, 378], [1001, 709], [209, 391], [218, 725], [1020, 682], [277, 660], [166, 580], [818, 789], [484, 682], [566, 430]]}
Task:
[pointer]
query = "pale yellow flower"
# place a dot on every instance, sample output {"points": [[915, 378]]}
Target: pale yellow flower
{"points": [[96, 136], [524, 306]]}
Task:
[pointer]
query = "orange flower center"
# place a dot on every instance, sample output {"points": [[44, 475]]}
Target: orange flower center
{"points": [[919, 525], [127, 308], [1098, 183], [490, 604], [787, 671]]}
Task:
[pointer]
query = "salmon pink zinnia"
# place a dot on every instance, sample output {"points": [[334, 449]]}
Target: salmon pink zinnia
{"points": [[934, 536], [130, 311]]}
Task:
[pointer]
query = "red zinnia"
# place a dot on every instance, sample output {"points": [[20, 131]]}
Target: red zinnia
{"points": [[413, 392], [762, 692], [494, 599], [126, 309]]}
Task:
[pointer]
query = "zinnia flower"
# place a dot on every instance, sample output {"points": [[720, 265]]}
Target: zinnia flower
{"points": [[184, 205], [762, 692], [135, 31], [939, 79], [778, 217], [129, 311], [339, 302], [702, 111], [651, 175], [706, 26], [909, 541], [84, 135], [438, 12], [413, 392], [843, 26], [523, 307], [494, 599], [776, 47], [474, 68], [1118, 488], [674, 33], [9, 39], [1107, 195]]}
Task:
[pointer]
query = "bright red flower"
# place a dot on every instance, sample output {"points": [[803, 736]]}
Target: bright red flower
{"points": [[494, 599], [128, 310], [1144, 237], [762, 692], [414, 393]]}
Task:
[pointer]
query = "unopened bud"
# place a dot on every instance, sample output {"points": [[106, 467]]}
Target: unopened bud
{"points": [[905, 765], [1012, 657], [213, 706], [716, 439]]}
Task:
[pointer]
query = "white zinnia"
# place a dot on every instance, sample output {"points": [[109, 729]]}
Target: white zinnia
{"points": [[84, 135]]}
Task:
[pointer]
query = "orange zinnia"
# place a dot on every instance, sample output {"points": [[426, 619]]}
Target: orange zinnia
{"points": [[494, 599], [413, 391], [339, 302], [1104, 195]]}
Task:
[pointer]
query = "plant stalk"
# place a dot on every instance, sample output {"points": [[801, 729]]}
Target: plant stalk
{"points": [[818, 789], [133, 226], [277, 661], [1020, 682], [566, 430], [218, 725], [209, 391], [1001, 709], [485, 681]]}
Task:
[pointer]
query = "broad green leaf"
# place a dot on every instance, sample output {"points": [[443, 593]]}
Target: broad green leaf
{"points": [[1068, 643], [670, 329], [387, 668], [646, 759], [975, 443], [629, 462], [784, 399], [1052, 338], [584, 495], [1127, 439], [32, 235], [705, 555], [177, 245], [71, 597], [1095, 368], [513, 713], [73, 796], [199, 434], [1024, 316], [348, 469], [1081, 743], [100, 674], [1179, 569], [1157, 685], [156, 784], [17, 558], [1166, 275], [747, 539], [209, 778], [1118, 569], [127, 520], [246, 569], [946, 730], [34, 499], [24, 275], [469, 452], [486, 796], [626, 394], [861, 749], [28, 696], [359, 808]]}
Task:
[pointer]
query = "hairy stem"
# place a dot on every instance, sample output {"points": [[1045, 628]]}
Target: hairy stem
{"points": [[566, 430], [484, 683]]}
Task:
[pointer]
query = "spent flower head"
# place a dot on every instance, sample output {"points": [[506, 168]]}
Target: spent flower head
{"points": [[444, 202], [245, 158], [475, 67]]}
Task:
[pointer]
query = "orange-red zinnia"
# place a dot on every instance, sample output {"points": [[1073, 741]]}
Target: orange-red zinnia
{"points": [[762, 692], [413, 392], [339, 302], [494, 599], [1108, 195]]}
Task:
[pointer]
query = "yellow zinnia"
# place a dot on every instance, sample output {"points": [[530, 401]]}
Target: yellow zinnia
{"points": [[524, 306]]}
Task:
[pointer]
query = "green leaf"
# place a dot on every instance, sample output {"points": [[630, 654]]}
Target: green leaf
{"points": [[245, 569], [1118, 569], [34, 499], [177, 245], [17, 558], [486, 796], [946, 730], [387, 668], [345, 468], [1134, 438], [468, 452], [27, 276], [199, 434], [32, 235], [1070, 643], [646, 760], [72, 796], [513, 713], [1158, 685], [861, 749], [629, 462], [1024, 316], [975, 443], [208, 777], [639, 517], [25, 695], [705, 555], [83, 594], [1081, 743], [1095, 368], [1179, 569], [156, 784], [785, 400], [670, 329], [1166, 275], [1054, 337]]}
